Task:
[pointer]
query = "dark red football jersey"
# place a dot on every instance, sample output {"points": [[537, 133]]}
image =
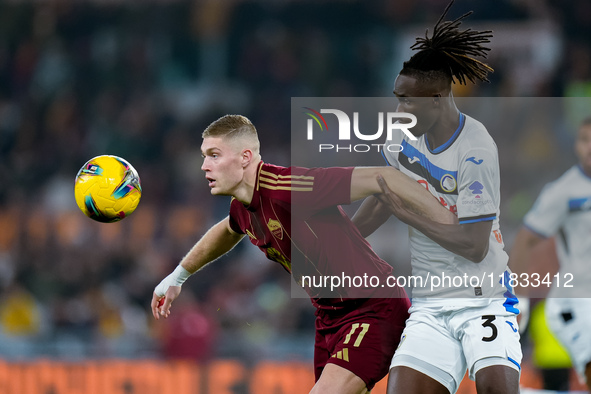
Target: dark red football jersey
{"points": [[295, 219]]}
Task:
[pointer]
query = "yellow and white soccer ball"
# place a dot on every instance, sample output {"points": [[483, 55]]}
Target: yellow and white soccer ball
{"points": [[107, 189]]}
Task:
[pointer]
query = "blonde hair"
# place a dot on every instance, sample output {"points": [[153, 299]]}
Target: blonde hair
{"points": [[234, 127]]}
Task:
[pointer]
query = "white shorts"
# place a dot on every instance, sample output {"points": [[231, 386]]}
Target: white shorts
{"points": [[569, 319], [443, 343]]}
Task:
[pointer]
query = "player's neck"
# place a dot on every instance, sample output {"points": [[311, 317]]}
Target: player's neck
{"points": [[245, 191], [444, 128]]}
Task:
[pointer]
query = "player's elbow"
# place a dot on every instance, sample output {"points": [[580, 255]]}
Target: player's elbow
{"points": [[476, 253], [447, 217]]}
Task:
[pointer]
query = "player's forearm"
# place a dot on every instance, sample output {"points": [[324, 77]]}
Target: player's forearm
{"points": [[219, 240], [470, 241], [415, 196], [216, 242], [370, 216]]}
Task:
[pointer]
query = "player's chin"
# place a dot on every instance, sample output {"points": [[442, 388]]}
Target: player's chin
{"points": [[216, 191], [418, 131]]}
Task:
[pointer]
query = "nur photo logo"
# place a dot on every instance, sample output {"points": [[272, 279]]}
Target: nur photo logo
{"points": [[347, 130]]}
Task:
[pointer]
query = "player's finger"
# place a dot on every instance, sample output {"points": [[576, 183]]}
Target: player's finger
{"points": [[382, 183], [382, 198], [165, 308], [155, 304]]}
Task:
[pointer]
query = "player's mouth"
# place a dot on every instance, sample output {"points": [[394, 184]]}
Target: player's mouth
{"points": [[210, 181]]}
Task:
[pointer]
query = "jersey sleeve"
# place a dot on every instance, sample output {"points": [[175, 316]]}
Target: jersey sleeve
{"points": [[478, 185], [548, 212], [314, 189]]}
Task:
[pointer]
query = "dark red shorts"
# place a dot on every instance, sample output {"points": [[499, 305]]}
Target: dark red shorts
{"points": [[361, 339]]}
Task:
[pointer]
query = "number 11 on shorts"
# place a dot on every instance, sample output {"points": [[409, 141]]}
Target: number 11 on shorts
{"points": [[354, 327]]}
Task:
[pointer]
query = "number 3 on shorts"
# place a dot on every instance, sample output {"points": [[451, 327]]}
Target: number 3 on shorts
{"points": [[488, 323], [354, 327]]}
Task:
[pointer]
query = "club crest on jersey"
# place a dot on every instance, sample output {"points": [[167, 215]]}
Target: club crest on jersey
{"points": [[448, 183], [275, 228]]}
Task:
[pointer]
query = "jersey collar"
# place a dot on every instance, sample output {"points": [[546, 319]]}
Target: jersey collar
{"points": [[447, 143], [255, 202]]}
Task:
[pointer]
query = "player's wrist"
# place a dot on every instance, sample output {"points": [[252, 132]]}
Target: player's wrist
{"points": [[180, 275], [176, 278]]}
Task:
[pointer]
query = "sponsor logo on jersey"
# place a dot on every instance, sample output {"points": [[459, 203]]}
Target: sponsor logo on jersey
{"points": [[476, 188], [275, 228], [342, 354], [511, 325], [413, 160], [473, 160]]}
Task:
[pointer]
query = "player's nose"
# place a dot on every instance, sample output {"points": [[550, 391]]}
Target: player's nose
{"points": [[205, 166]]}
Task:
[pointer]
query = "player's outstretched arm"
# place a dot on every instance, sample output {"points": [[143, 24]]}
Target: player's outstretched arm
{"points": [[216, 242], [470, 240], [415, 197]]}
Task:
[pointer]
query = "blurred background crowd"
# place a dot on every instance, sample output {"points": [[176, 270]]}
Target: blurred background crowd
{"points": [[141, 80]]}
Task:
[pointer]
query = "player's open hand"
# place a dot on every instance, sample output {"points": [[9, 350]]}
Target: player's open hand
{"points": [[161, 304], [391, 200]]}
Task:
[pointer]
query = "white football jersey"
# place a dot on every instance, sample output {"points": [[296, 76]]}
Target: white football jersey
{"points": [[563, 208], [463, 174]]}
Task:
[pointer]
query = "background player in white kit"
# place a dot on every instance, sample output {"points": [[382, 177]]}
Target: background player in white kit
{"points": [[563, 208], [452, 328]]}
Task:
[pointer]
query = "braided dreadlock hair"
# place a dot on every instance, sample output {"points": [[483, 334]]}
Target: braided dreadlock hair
{"points": [[449, 52]]}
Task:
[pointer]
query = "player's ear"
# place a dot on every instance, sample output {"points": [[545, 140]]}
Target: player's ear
{"points": [[436, 99], [247, 156]]}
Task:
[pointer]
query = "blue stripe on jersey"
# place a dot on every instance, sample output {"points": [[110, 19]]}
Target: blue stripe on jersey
{"points": [[579, 204], [450, 141], [384, 156], [482, 219], [413, 154], [514, 362], [510, 298]]}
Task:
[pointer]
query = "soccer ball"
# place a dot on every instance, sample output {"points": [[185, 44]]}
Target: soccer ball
{"points": [[107, 189]]}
